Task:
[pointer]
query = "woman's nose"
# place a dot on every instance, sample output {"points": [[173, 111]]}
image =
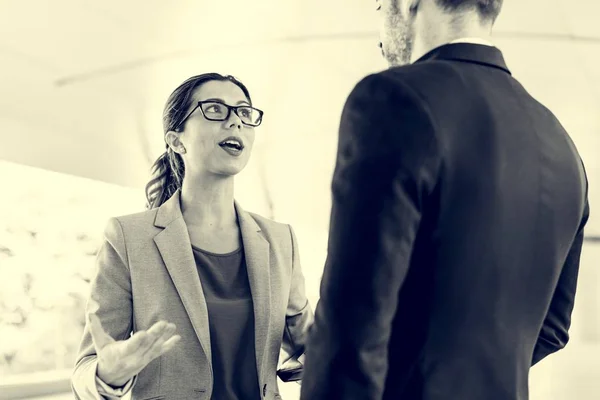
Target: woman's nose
{"points": [[234, 121]]}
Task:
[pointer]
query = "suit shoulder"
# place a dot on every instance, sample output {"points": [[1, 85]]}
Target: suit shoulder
{"points": [[392, 86], [426, 74], [135, 222], [439, 67], [138, 217], [386, 97], [378, 81]]}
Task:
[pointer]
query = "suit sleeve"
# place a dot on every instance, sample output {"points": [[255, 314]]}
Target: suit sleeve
{"points": [[554, 334], [111, 290], [386, 166], [299, 315]]}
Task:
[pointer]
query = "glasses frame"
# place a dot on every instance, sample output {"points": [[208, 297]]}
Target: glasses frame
{"points": [[229, 110]]}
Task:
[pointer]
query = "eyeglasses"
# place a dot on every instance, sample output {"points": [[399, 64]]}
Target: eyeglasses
{"points": [[217, 111]]}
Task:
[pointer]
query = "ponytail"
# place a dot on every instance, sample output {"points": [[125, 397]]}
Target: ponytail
{"points": [[167, 177]]}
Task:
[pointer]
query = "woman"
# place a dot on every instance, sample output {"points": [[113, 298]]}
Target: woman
{"points": [[228, 281]]}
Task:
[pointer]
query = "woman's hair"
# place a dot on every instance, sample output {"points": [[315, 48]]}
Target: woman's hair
{"points": [[168, 170]]}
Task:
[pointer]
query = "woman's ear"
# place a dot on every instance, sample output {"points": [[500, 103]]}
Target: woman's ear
{"points": [[173, 140]]}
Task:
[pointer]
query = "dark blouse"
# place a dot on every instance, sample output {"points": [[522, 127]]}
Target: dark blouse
{"points": [[231, 321]]}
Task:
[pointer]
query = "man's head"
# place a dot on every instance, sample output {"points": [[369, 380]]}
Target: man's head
{"points": [[486, 10], [406, 22]]}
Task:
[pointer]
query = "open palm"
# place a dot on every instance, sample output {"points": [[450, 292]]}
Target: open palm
{"points": [[120, 360]]}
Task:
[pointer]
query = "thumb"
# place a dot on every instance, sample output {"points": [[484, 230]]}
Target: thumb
{"points": [[99, 336]]}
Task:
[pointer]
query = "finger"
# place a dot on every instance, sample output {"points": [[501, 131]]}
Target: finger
{"points": [[143, 342], [168, 332], [154, 350], [93, 306], [157, 329], [99, 336], [165, 335], [139, 342], [166, 346], [169, 344]]}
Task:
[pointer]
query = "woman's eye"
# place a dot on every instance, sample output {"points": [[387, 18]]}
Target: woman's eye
{"points": [[214, 108]]}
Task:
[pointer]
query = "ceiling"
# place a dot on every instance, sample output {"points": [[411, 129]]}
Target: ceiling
{"points": [[83, 82]]}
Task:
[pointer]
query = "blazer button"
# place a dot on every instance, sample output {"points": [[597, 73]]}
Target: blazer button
{"points": [[265, 390]]}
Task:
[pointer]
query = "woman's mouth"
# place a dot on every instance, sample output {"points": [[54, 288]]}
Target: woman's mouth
{"points": [[233, 146]]}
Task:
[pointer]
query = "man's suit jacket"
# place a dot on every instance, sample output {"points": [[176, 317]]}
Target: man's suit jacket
{"points": [[146, 272], [459, 203]]}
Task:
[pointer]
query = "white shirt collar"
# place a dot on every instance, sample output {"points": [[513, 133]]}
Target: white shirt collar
{"points": [[473, 40]]}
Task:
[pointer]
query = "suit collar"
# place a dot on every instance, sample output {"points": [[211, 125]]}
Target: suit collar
{"points": [[467, 52], [246, 221], [257, 252], [169, 211], [473, 40], [174, 245]]}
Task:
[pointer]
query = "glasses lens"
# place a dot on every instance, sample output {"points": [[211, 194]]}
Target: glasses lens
{"points": [[249, 115], [215, 111]]}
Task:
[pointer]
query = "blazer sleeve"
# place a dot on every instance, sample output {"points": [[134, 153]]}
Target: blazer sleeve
{"points": [[386, 165], [111, 293], [299, 314], [554, 334]]}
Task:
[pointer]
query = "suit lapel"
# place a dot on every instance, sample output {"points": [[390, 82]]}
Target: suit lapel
{"points": [[176, 251], [256, 250]]}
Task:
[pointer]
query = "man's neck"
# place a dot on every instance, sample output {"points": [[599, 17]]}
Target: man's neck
{"points": [[469, 34]]}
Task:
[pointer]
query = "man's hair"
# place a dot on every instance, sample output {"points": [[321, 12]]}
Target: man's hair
{"points": [[488, 10]]}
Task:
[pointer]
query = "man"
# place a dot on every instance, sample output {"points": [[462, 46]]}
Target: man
{"points": [[459, 204]]}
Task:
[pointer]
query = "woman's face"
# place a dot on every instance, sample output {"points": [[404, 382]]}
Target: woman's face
{"points": [[216, 147]]}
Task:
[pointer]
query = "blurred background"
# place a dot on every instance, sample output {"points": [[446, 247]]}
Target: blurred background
{"points": [[82, 86]]}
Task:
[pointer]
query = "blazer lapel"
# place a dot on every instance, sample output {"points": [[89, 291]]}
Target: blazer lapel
{"points": [[256, 250], [176, 251]]}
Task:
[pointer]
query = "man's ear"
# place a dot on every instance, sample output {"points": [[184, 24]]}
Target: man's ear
{"points": [[407, 7]]}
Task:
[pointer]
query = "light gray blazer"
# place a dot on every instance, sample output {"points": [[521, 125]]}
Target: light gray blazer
{"points": [[146, 272]]}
